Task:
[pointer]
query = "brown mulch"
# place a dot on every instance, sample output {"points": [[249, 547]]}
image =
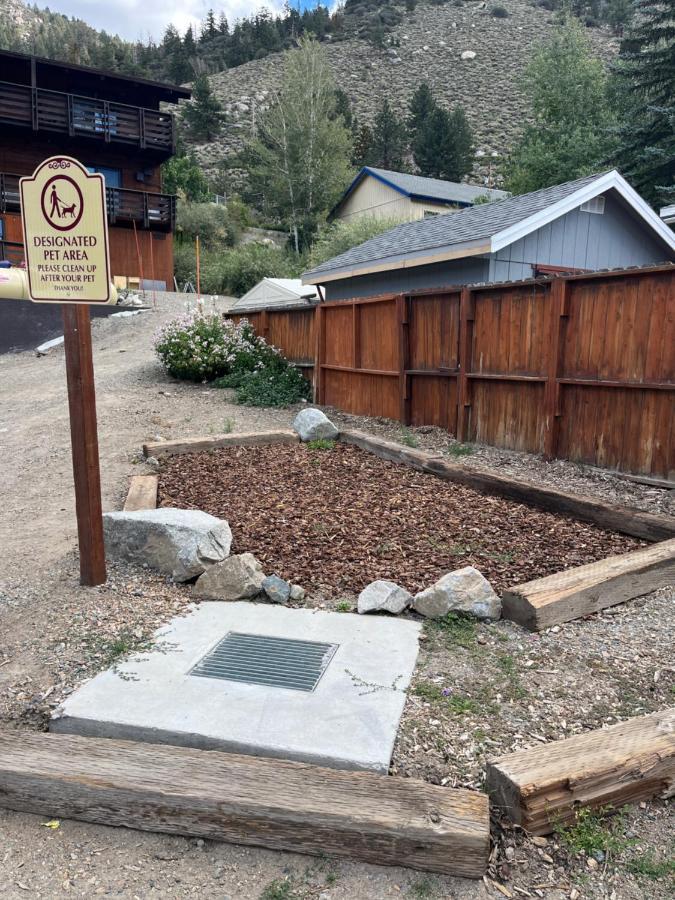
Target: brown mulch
{"points": [[335, 520]]}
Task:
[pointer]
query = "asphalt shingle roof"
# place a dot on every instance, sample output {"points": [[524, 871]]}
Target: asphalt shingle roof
{"points": [[471, 224], [435, 188]]}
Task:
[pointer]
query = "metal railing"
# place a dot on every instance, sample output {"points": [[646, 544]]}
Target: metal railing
{"points": [[125, 206], [77, 116]]}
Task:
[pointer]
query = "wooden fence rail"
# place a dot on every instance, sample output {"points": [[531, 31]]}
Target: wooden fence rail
{"points": [[580, 367]]}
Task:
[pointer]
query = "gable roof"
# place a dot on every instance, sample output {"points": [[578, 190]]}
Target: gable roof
{"points": [[481, 229], [275, 293], [417, 187]]}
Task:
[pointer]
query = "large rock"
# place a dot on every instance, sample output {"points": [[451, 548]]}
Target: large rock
{"points": [[384, 596], [465, 591], [236, 578], [179, 542], [313, 425]]}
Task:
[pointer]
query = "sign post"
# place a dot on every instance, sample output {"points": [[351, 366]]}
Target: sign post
{"points": [[65, 229]]}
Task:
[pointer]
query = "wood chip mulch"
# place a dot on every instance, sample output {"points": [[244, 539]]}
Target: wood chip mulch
{"points": [[335, 520]]}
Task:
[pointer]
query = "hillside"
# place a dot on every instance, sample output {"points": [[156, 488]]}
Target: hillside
{"points": [[427, 45]]}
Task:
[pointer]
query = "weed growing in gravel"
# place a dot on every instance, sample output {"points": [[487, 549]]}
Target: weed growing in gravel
{"points": [[592, 831], [424, 888], [344, 606], [279, 889], [457, 630], [111, 650], [432, 693], [408, 438], [320, 444], [459, 450], [650, 867]]}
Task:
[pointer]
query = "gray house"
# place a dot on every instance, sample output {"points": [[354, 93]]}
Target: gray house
{"points": [[597, 222]]}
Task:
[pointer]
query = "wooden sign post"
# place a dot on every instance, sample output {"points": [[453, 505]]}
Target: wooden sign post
{"points": [[63, 211]]}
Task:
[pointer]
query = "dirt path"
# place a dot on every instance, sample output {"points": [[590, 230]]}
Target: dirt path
{"points": [[53, 633]]}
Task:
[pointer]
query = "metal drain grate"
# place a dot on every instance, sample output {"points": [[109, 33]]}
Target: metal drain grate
{"points": [[274, 661]]}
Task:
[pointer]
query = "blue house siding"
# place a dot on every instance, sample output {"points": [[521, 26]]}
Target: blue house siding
{"points": [[580, 240], [460, 271]]}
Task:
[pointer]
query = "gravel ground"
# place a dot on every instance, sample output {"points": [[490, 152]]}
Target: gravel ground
{"points": [[335, 520], [477, 692]]}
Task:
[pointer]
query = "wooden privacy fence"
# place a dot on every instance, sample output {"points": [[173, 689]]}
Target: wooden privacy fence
{"points": [[579, 367], [291, 330]]}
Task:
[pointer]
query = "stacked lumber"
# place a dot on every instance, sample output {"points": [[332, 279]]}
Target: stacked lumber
{"points": [[588, 589], [142, 493], [627, 763], [247, 800], [199, 444]]}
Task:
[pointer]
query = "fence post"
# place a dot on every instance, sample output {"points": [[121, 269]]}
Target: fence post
{"points": [[403, 353], [319, 353], [466, 316], [356, 336], [558, 312], [264, 325]]}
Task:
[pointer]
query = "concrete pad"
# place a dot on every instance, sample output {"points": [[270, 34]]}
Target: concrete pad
{"points": [[349, 721]]}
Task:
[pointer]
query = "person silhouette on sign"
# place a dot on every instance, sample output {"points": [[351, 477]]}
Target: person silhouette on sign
{"points": [[56, 200]]}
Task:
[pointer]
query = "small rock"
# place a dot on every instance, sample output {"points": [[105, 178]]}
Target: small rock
{"points": [[598, 856], [539, 841], [182, 543], [311, 424], [297, 593], [383, 596], [591, 863], [574, 894], [153, 462], [236, 578], [276, 589], [468, 54], [465, 590], [510, 853]]}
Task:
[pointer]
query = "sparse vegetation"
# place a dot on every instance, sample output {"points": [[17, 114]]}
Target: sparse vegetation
{"points": [[408, 438], [279, 889], [455, 703], [459, 450], [344, 606], [455, 629], [594, 830], [320, 444]]}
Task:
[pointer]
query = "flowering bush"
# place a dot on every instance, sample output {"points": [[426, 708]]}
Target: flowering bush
{"points": [[201, 347]]}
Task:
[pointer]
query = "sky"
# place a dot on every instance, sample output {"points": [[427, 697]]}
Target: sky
{"points": [[133, 19]]}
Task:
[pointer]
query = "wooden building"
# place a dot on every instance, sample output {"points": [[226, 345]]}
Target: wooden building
{"points": [[111, 123]]}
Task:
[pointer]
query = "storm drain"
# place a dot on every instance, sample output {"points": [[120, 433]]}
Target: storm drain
{"points": [[274, 661]]}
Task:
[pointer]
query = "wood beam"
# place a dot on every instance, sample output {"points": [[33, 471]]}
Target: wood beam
{"points": [[198, 444], [262, 802], [142, 493], [627, 763]]}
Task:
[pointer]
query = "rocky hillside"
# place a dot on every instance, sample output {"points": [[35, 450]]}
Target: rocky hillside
{"points": [[469, 56]]}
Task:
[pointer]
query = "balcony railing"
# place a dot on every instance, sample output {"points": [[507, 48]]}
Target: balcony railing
{"points": [[125, 207], [11, 252], [78, 116]]}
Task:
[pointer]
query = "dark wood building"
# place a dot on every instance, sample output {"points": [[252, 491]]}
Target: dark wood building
{"points": [[112, 124]]}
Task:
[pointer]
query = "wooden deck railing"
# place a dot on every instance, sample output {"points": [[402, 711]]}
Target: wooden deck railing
{"points": [[157, 211], [11, 252], [77, 116]]}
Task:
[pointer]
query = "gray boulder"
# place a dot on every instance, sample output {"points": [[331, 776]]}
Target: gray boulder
{"points": [[313, 425], [465, 591], [384, 596], [235, 578], [297, 593], [276, 589], [182, 543]]}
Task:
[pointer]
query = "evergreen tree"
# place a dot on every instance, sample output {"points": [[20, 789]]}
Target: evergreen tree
{"points": [[422, 104], [362, 154], [646, 83], [203, 116], [343, 107], [568, 93], [177, 65], [388, 146], [443, 145], [209, 30]]}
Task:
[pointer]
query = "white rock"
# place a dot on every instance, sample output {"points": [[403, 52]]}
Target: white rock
{"points": [[468, 54], [383, 596], [179, 542], [235, 578], [311, 424], [465, 590], [297, 593]]}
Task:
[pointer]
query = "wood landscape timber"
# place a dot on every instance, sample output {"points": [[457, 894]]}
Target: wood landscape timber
{"points": [[142, 493], [199, 444], [634, 522], [541, 788], [588, 589], [247, 800]]}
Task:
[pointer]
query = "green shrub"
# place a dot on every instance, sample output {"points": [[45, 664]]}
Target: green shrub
{"points": [[342, 236], [320, 444], [279, 385], [212, 223], [236, 271], [198, 347]]}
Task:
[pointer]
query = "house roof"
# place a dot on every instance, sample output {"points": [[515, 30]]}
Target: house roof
{"points": [[481, 229], [417, 187], [275, 293]]}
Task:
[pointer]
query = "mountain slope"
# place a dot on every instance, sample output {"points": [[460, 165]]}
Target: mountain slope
{"points": [[427, 45]]}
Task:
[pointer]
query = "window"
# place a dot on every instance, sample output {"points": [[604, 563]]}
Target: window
{"points": [[113, 177]]}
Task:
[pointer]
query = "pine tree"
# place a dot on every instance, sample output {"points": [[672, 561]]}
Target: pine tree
{"points": [[343, 107], [203, 117], [442, 146], [388, 146], [422, 104], [646, 81], [362, 154], [209, 30]]}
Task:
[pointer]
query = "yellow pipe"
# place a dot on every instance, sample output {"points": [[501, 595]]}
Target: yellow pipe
{"points": [[14, 286]]}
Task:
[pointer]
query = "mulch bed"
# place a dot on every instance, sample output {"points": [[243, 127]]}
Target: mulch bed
{"points": [[335, 520]]}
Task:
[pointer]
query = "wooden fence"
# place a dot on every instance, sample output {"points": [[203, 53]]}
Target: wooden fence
{"points": [[579, 367], [291, 330]]}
